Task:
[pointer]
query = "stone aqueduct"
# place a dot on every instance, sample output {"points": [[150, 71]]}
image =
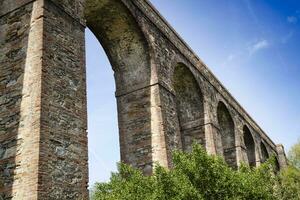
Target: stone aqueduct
{"points": [[166, 96]]}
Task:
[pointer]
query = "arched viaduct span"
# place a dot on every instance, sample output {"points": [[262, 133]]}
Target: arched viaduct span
{"points": [[166, 96]]}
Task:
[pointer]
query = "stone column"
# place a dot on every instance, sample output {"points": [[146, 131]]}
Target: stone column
{"points": [[43, 140], [241, 152], [211, 129], [283, 162], [20, 97], [170, 137], [142, 140]]}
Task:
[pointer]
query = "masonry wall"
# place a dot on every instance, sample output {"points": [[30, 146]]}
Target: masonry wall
{"points": [[169, 50], [43, 102], [63, 151], [16, 32]]}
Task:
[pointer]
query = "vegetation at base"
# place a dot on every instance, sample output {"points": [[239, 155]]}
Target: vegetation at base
{"points": [[290, 177], [198, 176]]}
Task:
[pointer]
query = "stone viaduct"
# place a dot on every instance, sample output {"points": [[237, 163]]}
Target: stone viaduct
{"points": [[167, 97]]}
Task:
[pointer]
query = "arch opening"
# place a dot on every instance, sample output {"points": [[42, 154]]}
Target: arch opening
{"points": [[190, 109], [264, 152], [126, 47], [226, 126], [102, 113], [250, 146]]}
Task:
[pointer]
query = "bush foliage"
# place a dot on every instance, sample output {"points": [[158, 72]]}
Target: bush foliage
{"points": [[290, 177], [198, 176]]}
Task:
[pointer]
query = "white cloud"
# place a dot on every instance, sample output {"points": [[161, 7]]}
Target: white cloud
{"points": [[292, 19], [247, 51], [261, 44]]}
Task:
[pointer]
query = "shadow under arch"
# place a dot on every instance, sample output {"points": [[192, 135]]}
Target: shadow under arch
{"points": [[277, 165], [189, 105], [227, 132], [250, 146], [264, 152], [127, 50]]}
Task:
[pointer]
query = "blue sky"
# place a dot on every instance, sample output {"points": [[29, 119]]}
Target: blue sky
{"points": [[253, 47]]}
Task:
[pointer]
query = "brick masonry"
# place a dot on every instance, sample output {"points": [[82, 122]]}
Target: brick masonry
{"points": [[167, 97]]}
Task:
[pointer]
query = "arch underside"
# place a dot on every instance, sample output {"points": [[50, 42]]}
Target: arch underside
{"points": [[226, 126], [190, 110], [264, 152], [123, 41], [250, 146]]}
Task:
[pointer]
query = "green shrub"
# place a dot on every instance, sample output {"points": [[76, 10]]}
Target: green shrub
{"points": [[197, 176], [290, 176]]}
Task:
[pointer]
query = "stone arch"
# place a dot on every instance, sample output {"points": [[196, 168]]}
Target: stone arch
{"points": [[123, 41], [250, 146], [264, 152], [227, 131], [127, 49], [190, 108]]}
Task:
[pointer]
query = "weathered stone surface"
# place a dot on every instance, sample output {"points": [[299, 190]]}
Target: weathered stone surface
{"points": [[14, 31], [63, 157], [167, 98]]}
